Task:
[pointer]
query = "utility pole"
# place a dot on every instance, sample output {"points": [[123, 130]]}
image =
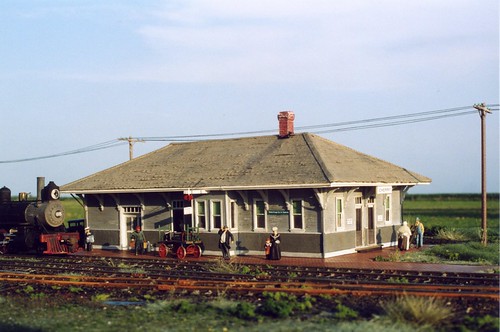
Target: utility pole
{"points": [[483, 110], [131, 142]]}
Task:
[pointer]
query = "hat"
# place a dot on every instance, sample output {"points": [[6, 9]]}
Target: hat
{"points": [[275, 229], [418, 219], [87, 228]]}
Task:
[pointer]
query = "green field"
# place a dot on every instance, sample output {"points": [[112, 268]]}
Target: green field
{"points": [[72, 209], [458, 211]]}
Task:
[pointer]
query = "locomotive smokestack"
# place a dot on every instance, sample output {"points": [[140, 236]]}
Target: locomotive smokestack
{"points": [[40, 184]]}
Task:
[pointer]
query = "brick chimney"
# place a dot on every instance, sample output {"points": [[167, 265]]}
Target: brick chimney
{"points": [[285, 120]]}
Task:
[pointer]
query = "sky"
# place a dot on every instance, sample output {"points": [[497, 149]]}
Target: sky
{"points": [[75, 74]]}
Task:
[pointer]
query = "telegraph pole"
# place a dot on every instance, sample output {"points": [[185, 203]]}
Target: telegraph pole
{"points": [[131, 142], [483, 110]]}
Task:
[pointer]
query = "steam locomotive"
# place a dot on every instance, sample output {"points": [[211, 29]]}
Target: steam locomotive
{"points": [[35, 226]]}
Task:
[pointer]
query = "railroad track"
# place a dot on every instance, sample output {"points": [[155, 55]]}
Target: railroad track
{"points": [[174, 275], [214, 286]]}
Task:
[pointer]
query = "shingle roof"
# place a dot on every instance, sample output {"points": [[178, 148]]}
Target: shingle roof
{"points": [[303, 160]]}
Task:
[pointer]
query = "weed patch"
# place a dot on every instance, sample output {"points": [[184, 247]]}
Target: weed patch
{"points": [[418, 311]]}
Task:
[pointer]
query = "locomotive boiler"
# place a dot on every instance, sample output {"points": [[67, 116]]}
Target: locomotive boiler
{"points": [[27, 226]]}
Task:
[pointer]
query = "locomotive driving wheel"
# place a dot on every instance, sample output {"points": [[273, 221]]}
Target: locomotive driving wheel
{"points": [[162, 250], [3, 242], [181, 252]]}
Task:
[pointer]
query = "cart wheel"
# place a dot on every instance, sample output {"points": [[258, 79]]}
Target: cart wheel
{"points": [[181, 252], [195, 250], [162, 250]]}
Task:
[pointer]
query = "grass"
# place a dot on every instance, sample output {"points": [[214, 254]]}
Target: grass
{"points": [[451, 211], [72, 209], [423, 313]]}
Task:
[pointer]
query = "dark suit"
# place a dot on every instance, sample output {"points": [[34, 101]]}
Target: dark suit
{"points": [[225, 240]]}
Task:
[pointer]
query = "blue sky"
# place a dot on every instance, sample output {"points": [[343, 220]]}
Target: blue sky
{"points": [[78, 73]]}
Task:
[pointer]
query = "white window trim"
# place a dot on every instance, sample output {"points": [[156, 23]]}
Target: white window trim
{"points": [[292, 215], [388, 196], [342, 215], [133, 211], [254, 217], [212, 215], [232, 222], [196, 213]]}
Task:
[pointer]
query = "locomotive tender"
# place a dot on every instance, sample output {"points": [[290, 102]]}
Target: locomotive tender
{"points": [[27, 226]]}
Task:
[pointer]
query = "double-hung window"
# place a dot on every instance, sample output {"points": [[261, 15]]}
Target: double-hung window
{"points": [[297, 215], [216, 214], [201, 214], [339, 212], [260, 214], [387, 206]]}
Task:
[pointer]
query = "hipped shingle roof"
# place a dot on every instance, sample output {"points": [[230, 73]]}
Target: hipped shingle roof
{"points": [[302, 160]]}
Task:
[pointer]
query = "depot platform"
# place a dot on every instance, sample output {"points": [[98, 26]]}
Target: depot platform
{"points": [[360, 260]]}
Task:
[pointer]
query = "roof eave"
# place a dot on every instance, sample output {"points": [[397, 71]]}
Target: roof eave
{"points": [[256, 187]]}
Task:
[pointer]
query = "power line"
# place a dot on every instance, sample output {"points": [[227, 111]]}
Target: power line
{"points": [[394, 123], [99, 146], [338, 124], [387, 121]]}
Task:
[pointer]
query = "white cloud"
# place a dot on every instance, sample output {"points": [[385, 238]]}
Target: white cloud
{"points": [[358, 43]]}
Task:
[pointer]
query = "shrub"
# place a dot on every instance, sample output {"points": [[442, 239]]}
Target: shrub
{"points": [[184, 306], [282, 305], [244, 310], [450, 234], [485, 324], [343, 312]]}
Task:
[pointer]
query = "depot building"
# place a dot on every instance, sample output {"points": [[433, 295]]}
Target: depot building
{"points": [[325, 198]]}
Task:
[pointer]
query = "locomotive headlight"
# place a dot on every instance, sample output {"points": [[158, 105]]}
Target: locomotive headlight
{"points": [[58, 214], [54, 193]]}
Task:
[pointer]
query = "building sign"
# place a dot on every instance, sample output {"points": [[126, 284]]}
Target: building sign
{"points": [[384, 189], [188, 210], [277, 212]]}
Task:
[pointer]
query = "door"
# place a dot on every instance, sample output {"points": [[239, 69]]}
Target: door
{"points": [[178, 216], [359, 222], [129, 220], [371, 220]]}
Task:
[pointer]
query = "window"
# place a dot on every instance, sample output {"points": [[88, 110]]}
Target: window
{"points": [[132, 209], [216, 215], [201, 214], [297, 214], [387, 205], [339, 208], [234, 215], [178, 204], [132, 215], [260, 214]]}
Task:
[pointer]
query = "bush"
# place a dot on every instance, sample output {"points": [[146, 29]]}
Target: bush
{"points": [[282, 305], [450, 234], [244, 310], [343, 312], [485, 324], [184, 306]]}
